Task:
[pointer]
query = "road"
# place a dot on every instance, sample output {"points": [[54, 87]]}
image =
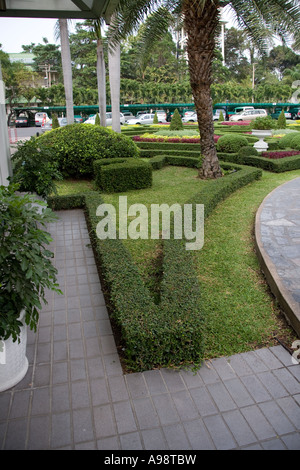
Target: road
{"points": [[17, 133]]}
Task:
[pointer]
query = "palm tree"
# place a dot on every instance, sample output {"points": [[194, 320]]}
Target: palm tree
{"points": [[114, 60], [259, 18], [95, 26], [61, 31]]}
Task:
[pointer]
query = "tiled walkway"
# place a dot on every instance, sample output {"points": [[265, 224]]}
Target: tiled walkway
{"points": [[75, 395]]}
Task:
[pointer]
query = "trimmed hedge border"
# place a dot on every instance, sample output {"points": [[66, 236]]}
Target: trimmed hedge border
{"points": [[173, 332], [274, 165], [122, 174]]}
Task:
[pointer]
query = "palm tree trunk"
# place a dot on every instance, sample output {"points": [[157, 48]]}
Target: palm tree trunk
{"points": [[114, 81], [201, 22], [67, 68], [101, 81]]}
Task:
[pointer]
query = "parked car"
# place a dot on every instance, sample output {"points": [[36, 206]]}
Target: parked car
{"points": [[295, 112], [91, 119], [277, 112], [248, 115], [47, 126], [161, 115], [22, 121], [78, 119], [40, 118], [190, 118], [145, 119], [128, 115]]}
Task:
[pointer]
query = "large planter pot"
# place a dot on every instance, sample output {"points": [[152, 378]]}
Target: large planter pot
{"points": [[261, 145], [13, 360]]}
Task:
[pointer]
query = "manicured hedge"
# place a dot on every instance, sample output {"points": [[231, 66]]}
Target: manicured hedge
{"points": [[75, 147], [173, 332], [117, 175], [276, 166]]}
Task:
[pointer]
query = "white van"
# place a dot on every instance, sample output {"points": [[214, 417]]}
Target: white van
{"points": [[40, 118]]}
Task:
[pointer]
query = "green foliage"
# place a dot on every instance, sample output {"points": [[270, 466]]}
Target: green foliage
{"points": [[221, 117], [231, 143], [26, 270], [281, 121], [295, 143], [286, 141], [264, 123], [55, 123], [117, 175], [171, 333], [75, 147], [269, 164], [155, 120], [34, 168], [176, 122], [248, 150], [97, 120]]}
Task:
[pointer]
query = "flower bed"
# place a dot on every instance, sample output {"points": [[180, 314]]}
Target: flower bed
{"points": [[183, 140], [280, 154], [235, 123]]}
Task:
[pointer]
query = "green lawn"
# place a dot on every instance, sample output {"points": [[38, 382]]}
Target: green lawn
{"points": [[240, 312]]}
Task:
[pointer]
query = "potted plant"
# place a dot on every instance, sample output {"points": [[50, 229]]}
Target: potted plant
{"points": [[261, 128], [26, 272]]}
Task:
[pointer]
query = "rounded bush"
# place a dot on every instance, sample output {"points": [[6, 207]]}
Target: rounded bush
{"points": [[248, 151], [295, 144], [231, 143], [75, 147], [286, 140]]}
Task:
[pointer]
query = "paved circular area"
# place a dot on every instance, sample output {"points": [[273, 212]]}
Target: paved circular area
{"points": [[278, 246]]}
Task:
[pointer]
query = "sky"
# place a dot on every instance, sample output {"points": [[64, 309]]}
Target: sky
{"points": [[17, 31]]}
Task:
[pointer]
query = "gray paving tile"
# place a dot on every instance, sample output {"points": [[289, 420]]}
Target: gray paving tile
{"points": [[145, 413], [198, 435], [221, 397], [239, 427], [272, 384], [176, 437], [219, 433], [203, 401], [280, 423], [258, 422]]}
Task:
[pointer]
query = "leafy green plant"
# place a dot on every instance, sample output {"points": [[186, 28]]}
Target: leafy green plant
{"points": [[231, 143], [34, 168], [117, 175], [155, 120], [264, 123], [26, 269], [281, 121], [97, 120], [55, 123], [248, 150], [286, 141], [221, 117], [176, 122], [75, 147]]}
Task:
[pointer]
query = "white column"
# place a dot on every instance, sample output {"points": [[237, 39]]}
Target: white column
{"points": [[5, 161]]}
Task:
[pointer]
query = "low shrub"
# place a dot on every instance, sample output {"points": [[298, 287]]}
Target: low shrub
{"points": [[295, 143], [269, 164], [33, 168], [76, 146], [286, 141], [117, 175], [264, 123], [231, 143], [176, 122], [248, 150], [173, 332]]}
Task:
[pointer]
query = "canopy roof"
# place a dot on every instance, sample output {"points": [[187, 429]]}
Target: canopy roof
{"points": [[77, 9]]}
